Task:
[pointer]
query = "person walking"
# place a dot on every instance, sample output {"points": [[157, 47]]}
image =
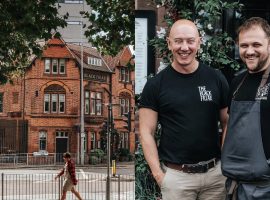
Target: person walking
{"points": [[69, 177], [187, 98], [246, 149]]}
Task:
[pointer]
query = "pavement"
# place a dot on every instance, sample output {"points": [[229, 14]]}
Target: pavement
{"points": [[123, 168]]}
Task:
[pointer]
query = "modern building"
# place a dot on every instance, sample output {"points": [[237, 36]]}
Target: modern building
{"points": [[76, 25]]}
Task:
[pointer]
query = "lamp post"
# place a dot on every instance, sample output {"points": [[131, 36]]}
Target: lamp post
{"points": [[82, 133], [109, 130]]}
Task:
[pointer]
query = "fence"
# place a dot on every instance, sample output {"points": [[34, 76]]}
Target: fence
{"points": [[29, 159], [45, 187]]}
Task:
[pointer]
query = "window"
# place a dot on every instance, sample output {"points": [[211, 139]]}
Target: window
{"points": [[124, 140], [73, 22], [54, 99], [61, 134], [93, 140], [42, 140], [87, 102], [73, 1], [46, 103], [61, 103], [54, 102], [15, 99], [62, 66], [95, 103], [47, 65], [94, 61], [124, 106], [1, 101], [124, 74], [54, 66]]}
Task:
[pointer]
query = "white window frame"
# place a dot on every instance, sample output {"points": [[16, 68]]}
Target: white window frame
{"points": [[47, 99], [62, 62], [61, 99], [53, 62], [47, 66], [87, 102], [42, 138]]}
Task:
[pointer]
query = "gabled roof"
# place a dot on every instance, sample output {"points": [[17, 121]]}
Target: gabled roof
{"points": [[56, 48], [121, 59], [88, 52]]}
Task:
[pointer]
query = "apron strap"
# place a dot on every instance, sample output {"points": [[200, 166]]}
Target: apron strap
{"points": [[263, 81], [232, 194], [265, 76]]}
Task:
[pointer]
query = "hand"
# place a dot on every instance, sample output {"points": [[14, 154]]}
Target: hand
{"points": [[56, 177], [159, 178]]}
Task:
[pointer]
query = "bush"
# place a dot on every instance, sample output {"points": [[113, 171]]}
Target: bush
{"points": [[96, 156]]}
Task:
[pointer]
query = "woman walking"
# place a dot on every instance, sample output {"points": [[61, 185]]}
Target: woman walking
{"points": [[69, 177]]}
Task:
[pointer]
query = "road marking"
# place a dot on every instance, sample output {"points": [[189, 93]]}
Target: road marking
{"points": [[82, 172]]}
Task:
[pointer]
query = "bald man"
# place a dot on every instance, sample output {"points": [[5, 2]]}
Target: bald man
{"points": [[187, 99]]}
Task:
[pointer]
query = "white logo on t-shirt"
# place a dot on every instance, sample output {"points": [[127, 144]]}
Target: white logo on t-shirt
{"points": [[205, 95], [262, 92]]}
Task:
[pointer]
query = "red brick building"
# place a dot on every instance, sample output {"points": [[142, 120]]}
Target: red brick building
{"points": [[47, 98]]}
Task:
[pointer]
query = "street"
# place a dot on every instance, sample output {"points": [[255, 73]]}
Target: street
{"points": [[38, 183]]}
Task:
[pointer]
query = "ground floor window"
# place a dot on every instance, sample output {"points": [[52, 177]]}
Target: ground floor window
{"points": [[42, 141]]}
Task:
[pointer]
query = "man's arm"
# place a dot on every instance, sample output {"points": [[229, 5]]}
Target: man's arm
{"points": [[223, 115], [148, 123]]}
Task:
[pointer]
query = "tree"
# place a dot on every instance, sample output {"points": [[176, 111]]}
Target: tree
{"points": [[112, 25], [22, 25]]}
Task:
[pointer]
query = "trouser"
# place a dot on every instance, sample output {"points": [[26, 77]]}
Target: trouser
{"points": [[259, 190], [178, 185]]}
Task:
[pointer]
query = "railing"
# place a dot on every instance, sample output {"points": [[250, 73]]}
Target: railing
{"points": [[30, 159], [45, 187]]}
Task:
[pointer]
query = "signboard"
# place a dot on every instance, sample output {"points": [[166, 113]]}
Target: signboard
{"points": [[140, 54], [145, 23], [93, 76]]}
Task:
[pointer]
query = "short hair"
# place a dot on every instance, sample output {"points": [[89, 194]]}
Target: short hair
{"points": [[67, 155], [254, 21]]}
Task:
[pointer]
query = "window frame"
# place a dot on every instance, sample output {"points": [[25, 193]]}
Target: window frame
{"points": [[50, 100], [41, 140]]}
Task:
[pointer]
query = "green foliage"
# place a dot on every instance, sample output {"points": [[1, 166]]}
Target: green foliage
{"points": [[207, 15], [216, 45], [112, 25], [96, 156], [22, 24], [145, 184]]}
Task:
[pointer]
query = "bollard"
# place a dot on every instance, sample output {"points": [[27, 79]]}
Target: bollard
{"points": [[113, 168]]}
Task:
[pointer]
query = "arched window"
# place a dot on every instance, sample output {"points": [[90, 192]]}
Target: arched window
{"points": [[54, 99]]}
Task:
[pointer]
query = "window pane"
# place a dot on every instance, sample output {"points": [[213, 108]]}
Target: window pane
{"points": [[47, 65], [61, 103], [46, 103], [54, 66], [93, 103], [42, 140], [127, 75], [54, 102], [98, 105], [87, 102], [62, 66], [98, 95], [93, 140]]}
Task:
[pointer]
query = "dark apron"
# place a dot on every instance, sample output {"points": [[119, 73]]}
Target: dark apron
{"points": [[243, 159]]}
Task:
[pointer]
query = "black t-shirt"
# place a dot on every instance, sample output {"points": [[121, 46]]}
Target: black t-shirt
{"points": [[188, 108], [247, 92]]}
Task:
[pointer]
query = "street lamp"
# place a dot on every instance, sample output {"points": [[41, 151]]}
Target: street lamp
{"points": [[82, 133]]}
